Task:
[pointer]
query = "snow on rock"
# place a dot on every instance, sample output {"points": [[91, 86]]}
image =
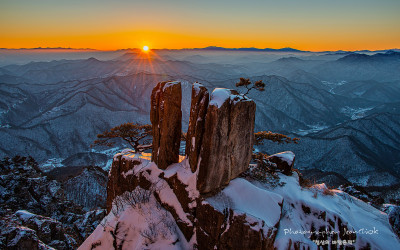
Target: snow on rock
{"points": [[130, 171], [170, 84], [123, 176], [287, 156], [24, 215], [146, 226], [309, 211], [168, 197], [219, 96], [247, 198], [185, 176], [284, 161], [197, 87], [240, 210]]}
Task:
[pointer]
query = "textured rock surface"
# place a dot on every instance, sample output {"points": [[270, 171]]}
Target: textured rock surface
{"points": [[284, 161], [24, 186], [166, 118], [198, 111], [394, 219], [51, 221], [21, 238], [210, 225], [227, 141], [217, 230], [118, 182]]}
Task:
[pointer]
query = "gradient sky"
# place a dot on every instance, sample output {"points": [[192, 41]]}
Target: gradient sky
{"points": [[116, 24]]}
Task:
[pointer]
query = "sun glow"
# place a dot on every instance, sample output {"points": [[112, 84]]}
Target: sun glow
{"points": [[145, 48]]}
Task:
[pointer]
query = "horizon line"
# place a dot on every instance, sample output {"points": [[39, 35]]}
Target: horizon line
{"points": [[212, 48]]}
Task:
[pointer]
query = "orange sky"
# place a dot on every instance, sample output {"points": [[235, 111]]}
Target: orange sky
{"points": [[107, 25]]}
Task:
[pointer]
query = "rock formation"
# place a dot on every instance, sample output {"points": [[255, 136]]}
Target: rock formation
{"points": [[175, 191], [284, 161], [220, 134], [121, 178], [198, 111], [227, 140], [166, 118]]}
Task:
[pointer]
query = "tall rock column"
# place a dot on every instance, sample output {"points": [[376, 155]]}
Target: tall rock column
{"points": [[166, 118], [198, 111], [227, 140]]}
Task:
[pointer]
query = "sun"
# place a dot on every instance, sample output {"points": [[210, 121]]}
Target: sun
{"points": [[145, 48]]}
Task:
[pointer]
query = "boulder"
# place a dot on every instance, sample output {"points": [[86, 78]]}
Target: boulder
{"points": [[166, 118], [198, 111], [227, 140], [21, 238], [284, 161], [47, 229]]}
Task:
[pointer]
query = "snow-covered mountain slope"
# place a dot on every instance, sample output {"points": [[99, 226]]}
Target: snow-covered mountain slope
{"points": [[85, 186], [63, 119], [365, 151], [267, 211]]}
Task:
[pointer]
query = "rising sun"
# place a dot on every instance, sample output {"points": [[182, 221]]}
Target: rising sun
{"points": [[145, 48]]}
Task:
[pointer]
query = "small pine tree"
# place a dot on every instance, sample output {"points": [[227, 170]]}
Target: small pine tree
{"points": [[136, 134], [245, 82], [275, 137]]}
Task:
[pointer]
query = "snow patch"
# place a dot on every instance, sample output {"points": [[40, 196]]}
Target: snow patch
{"points": [[24, 215], [185, 175], [196, 87], [286, 156], [247, 198], [169, 84], [355, 113], [51, 164], [219, 96]]}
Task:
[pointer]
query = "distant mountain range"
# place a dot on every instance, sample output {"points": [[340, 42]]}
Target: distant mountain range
{"points": [[251, 49], [215, 48]]}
